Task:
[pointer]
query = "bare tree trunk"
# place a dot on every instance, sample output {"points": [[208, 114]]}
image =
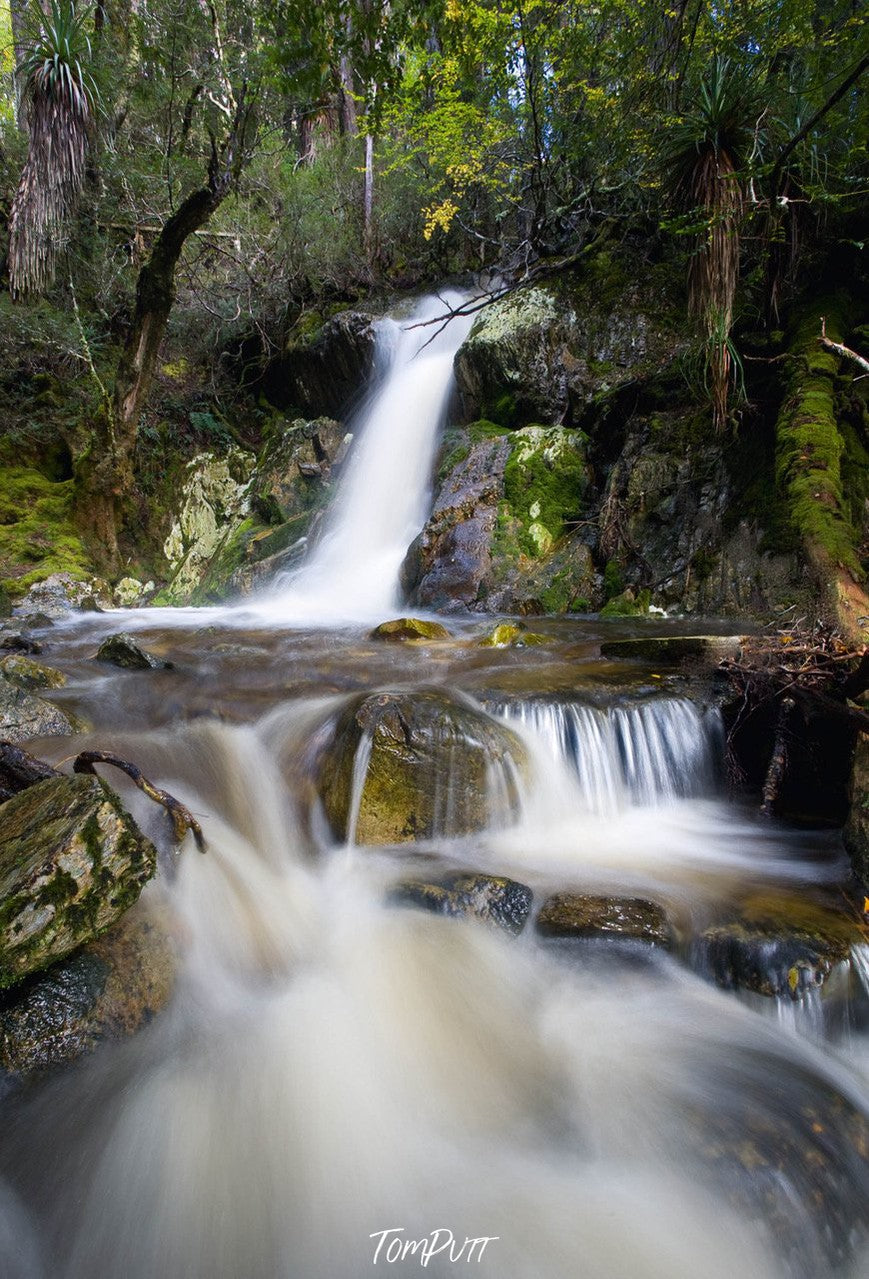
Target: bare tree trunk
{"points": [[368, 199], [105, 473], [348, 101], [17, 13]]}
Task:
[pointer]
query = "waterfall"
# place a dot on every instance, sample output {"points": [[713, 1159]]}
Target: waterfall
{"points": [[636, 753], [382, 502]]}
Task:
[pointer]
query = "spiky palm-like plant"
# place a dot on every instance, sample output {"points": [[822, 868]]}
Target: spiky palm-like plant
{"points": [[707, 149], [60, 97]]}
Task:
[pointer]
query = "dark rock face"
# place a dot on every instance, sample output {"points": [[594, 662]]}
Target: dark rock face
{"points": [[23, 716], [775, 946], [322, 374], [71, 862], [585, 916], [18, 770], [106, 990], [428, 772], [124, 651], [856, 831], [490, 898]]}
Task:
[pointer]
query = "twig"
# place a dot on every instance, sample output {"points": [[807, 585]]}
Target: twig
{"points": [[182, 819]]}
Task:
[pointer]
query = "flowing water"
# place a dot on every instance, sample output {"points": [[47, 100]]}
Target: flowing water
{"points": [[341, 1084]]}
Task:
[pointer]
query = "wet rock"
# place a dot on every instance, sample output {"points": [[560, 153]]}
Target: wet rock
{"points": [[321, 371], [124, 651], [409, 628], [18, 642], [508, 635], [215, 502], [23, 716], [281, 490], [775, 945], [498, 536], [18, 770], [71, 862], [29, 675], [106, 990], [491, 898], [856, 832], [433, 758], [587, 916]]}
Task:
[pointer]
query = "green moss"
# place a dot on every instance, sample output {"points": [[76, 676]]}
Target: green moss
{"points": [[229, 556], [60, 888], [628, 605], [810, 446], [613, 579], [544, 482], [37, 533]]}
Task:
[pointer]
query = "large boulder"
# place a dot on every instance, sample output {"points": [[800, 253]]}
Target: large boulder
{"points": [[294, 469], [498, 538], [544, 354], [106, 990], [320, 371], [23, 716], [215, 503], [71, 862], [409, 766]]}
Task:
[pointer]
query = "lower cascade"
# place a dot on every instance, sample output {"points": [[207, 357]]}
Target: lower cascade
{"points": [[368, 1055]]}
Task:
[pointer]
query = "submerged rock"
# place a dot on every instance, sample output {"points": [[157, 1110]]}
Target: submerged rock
{"points": [[775, 945], [414, 765], [491, 898], [108, 989], [587, 916], [124, 651], [71, 862], [409, 628], [676, 650], [23, 716]]}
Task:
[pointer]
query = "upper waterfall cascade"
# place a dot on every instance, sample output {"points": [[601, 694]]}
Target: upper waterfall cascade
{"points": [[382, 501]]}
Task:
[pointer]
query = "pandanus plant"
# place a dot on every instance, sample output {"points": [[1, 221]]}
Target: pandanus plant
{"points": [[59, 96], [708, 150]]}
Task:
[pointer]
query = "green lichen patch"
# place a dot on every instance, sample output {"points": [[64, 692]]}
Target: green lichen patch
{"points": [[37, 533]]}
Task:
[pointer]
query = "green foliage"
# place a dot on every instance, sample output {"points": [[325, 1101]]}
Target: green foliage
{"points": [[37, 533]]}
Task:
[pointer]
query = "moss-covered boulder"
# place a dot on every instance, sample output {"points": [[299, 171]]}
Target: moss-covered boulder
{"points": [[71, 862], [294, 469], [22, 715], [505, 903], [409, 766], [512, 635], [582, 915], [402, 629], [776, 944], [499, 536], [30, 675], [106, 990], [215, 502], [124, 651]]}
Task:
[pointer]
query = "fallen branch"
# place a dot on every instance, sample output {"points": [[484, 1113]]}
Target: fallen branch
{"points": [[182, 819], [844, 351]]}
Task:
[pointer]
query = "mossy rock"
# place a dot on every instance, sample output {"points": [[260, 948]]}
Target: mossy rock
{"points": [[72, 861], [490, 898], [429, 770], [628, 604], [579, 915], [29, 675], [512, 635], [776, 945], [409, 628]]}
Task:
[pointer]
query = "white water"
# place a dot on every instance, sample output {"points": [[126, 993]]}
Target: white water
{"points": [[382, 502]]}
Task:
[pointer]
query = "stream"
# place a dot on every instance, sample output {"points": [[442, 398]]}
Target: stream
{"points": [[340, 1082]]}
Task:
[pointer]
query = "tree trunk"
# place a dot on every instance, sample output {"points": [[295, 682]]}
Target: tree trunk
{"points": [[17, 13]]}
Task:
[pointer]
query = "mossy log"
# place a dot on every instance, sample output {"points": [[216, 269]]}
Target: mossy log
{"points": [[809, 453]]}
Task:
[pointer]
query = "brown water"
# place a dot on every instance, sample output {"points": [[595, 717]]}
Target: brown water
{"points": [[332, 1068]]}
